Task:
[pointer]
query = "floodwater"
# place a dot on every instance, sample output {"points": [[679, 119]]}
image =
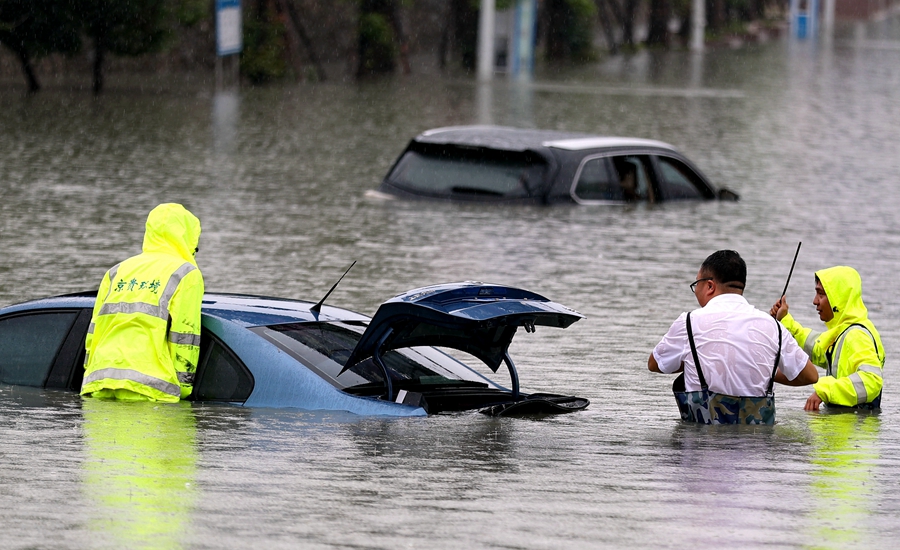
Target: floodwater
{"points": [[807, 133]]}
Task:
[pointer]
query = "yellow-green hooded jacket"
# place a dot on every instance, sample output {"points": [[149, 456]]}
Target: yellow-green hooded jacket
{"points": [[144, 336], [850, 348]]}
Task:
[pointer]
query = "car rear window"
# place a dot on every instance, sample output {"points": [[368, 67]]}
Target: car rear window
{"points": [[476, 173], [324, 348]]}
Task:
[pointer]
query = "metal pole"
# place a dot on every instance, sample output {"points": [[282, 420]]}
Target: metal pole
{"points": [[698, 25], [828, 19], [486, 40], [522, 65], [812, 8]]}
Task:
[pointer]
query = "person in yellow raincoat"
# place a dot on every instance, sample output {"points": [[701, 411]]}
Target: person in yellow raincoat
{"points": [[850, 348], [143, 342]]}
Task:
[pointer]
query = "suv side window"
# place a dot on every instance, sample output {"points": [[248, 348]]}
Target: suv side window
{"points": [[678, 181], [221, 376], [29, 345], [633, 173], [598, 182], [620, 178]]}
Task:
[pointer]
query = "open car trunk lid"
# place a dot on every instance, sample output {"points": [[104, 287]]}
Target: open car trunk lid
{"points": [[479, 319]]}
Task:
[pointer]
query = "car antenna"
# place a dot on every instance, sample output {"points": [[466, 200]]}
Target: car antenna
{"points": [[318, 307]]}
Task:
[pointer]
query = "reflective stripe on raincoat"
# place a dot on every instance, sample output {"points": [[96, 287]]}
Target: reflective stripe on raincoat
{"points": [[850, 349], [144, 335]]}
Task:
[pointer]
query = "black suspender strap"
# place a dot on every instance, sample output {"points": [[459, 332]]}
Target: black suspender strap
{"points": [[829, 353], [771, 390], [694, 353]]}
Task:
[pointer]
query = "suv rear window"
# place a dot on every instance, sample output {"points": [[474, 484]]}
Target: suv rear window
{"points": [[457, 171]]}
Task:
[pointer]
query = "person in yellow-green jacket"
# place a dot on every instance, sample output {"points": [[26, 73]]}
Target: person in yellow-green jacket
{"points": [[850, 348], [143, 342]]}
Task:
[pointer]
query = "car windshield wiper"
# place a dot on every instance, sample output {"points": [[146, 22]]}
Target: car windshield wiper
{"points": [[462, 190]]}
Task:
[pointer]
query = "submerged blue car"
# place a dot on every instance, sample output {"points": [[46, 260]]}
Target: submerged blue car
{"points": [[273, 352]]}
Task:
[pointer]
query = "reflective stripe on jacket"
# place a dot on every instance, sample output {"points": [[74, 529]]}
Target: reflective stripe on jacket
{"points": [[144, 334], [850, 349]]}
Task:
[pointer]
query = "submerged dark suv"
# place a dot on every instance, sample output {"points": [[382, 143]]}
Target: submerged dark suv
{"points": [[513, 165]]}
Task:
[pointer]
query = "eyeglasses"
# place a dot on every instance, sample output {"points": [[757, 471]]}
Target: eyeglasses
{"points": [[697, 282]]}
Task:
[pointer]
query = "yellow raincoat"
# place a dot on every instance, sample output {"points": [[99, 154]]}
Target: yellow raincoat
{"points": [[850, 349], [144, 338]]}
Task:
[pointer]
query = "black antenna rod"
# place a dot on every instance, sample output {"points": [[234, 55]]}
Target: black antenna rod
{"points": [[316, 308], [783, 292]]}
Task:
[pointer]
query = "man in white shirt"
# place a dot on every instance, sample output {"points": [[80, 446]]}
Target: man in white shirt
{"points": [[736, 344]]}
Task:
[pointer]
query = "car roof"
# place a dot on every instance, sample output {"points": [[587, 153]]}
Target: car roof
{"points": [[600, 142], [244, 309], [251, 310], [524, 139]]}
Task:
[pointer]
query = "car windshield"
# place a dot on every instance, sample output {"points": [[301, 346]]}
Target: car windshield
{"points": [[324, 348], [476, 172]]}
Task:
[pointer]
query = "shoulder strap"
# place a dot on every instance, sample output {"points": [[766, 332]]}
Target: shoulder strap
{"points": [[770, 391], [829, 353], [694, 353], [865, 328]]}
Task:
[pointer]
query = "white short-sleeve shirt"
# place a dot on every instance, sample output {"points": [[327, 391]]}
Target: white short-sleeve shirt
{"points": [[736, 344]]}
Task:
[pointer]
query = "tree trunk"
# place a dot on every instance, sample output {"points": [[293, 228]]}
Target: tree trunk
{"points": [[28, 69], [465, 31], [715, 14], [396, 22], [606, 21], [759, 9], [658, 34], [99, 56], [628, 17], [556, 28], [375, 37], [446, 33], [297, 22]]}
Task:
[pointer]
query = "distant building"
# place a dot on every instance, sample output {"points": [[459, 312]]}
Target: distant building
{"points": [[862, 9]]}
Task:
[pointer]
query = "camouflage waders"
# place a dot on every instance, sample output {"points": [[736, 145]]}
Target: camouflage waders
{"points": [[706, 407]]}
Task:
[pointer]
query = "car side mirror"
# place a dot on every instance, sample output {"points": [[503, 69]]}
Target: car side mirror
{"points": [[727, 195]]}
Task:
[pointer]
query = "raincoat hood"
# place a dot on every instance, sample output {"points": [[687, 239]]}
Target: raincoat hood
{"points": [[843, 286], [172, 229]]}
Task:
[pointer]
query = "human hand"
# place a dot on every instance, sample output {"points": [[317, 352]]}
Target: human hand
{"points": [[780, 309], [812, 404]]}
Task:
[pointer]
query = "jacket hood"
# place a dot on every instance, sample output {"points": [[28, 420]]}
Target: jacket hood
{"points": [[172, 229], [843, 286]]}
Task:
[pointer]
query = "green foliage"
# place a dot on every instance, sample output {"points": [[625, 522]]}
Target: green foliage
{"points": [[581, 29], [498, 4], [39, 27], [127, 27], [682, 8], [376, 44], [570, 31], [190, 12], [263, 59]]}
